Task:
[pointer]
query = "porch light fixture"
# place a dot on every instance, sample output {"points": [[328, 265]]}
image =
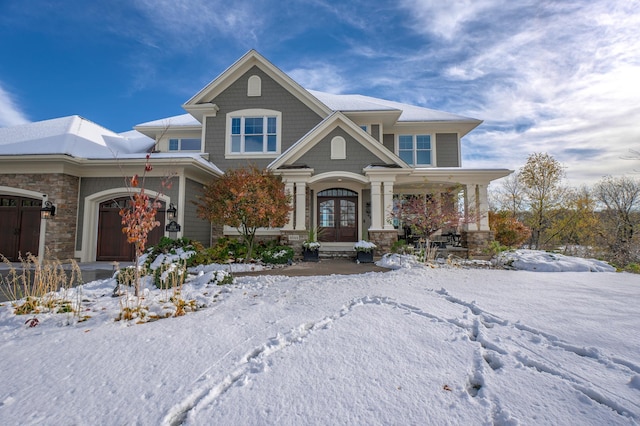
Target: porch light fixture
{"points": [[48, 210], [171, 212]]}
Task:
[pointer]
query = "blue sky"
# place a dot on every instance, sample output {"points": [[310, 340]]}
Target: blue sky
{"points": [[545, 76]]}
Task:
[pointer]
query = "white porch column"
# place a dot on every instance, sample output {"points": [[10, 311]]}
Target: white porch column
{"points": [[376, 206], [470, 208], [388, 205], [482, 202], [301, 205], [289, 190]]}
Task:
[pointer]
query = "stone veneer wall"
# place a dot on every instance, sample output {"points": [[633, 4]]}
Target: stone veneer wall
{"points": [[476, 241], [383, 240], [62, 191]]}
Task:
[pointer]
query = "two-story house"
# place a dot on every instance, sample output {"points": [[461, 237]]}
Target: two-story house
{"points": [[343, 159]]}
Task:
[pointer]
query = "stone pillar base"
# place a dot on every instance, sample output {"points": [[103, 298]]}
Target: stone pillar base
{"points": [[383, 239], [476, 241]]}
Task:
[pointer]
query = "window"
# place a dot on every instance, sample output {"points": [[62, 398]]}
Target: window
{"points": [[253, 133], [415, 149], [184, 144]]}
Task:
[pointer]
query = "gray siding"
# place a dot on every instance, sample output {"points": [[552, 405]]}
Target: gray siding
{"points": [[319, 157], [297, 118], [388, 140], [89, 186], [194, 227], [447, 150]]}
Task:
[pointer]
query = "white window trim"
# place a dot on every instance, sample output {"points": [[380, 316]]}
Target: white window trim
{"points": [[413, 135], [253, 113]]}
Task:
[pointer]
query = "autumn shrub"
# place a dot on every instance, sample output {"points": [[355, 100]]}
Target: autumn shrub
{"points": [[246, 199], [508, 230]]}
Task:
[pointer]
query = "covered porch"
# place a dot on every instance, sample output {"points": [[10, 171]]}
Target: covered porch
{"points": [[362, 205]]}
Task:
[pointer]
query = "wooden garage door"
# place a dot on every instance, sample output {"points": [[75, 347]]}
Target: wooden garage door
{"points": [[112, 242], [19, 226]]}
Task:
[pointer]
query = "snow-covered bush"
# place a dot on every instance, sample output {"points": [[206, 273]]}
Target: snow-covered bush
{"points": [[277, 255], [221, 278]]}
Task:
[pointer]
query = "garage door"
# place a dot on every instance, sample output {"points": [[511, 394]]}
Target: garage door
{"points": [[19, 226], [112, 242]]}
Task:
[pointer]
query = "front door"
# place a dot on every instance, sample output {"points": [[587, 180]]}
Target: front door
{"points": [[19, 226], [112, 242], [338, 215]]}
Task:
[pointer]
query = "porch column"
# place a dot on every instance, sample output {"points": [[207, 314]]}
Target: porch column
{"points": [[301, 205], [376, 205], [289, 190], [388, 205], [482, 201], [471, 208]]}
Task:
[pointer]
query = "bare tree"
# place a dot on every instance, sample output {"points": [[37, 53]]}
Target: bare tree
{"points": [[620, 199], [510, 196]]}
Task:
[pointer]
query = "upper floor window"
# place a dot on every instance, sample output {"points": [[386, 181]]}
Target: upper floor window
{"points": [[415, 150], [253, 132], [185, 144]]}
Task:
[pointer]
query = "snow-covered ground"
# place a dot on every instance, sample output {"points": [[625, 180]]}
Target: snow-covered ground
{"points": [[417, 345]]}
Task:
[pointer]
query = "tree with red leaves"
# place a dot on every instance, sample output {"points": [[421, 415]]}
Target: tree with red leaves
{"points": [[247, 199], [139, 216]]}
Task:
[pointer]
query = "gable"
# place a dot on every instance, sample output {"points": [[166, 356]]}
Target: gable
{"points": [[356, 158], [296, 117], [242, 66], [316, 146]]}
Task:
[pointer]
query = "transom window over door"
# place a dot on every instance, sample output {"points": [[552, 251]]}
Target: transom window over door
{"points": [[415, 150], [338, 215], [253, 132]]}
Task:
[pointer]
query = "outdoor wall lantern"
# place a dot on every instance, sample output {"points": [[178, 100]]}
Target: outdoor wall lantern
{"points": [[48, 210], [171, 212]]}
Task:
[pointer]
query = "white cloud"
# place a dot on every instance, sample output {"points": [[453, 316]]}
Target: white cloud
{"points": [[10, 112], [445, 18], [320, 76]]}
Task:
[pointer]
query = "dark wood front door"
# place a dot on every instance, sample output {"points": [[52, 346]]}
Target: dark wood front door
{"points": [[112, 242], [19, 226], [338, 215]]}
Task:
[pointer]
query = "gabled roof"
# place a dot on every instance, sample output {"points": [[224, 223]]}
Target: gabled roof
{"points": [[74, 136], [245, 63], [315, 135]]}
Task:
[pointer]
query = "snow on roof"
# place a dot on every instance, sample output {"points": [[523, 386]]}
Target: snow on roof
{"points": [[353, 103], [175, 121], [74, 136]]}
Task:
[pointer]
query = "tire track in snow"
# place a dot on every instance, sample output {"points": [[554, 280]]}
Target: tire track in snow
{"points": [[491, 354]]}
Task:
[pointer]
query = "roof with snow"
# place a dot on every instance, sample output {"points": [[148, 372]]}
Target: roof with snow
{"points": [[353, 103], [74, 136], [342, 103], [182, 120]]}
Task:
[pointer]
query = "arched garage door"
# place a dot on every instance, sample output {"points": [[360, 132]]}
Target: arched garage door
{"points": [[112, 242], [19, 226]]}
